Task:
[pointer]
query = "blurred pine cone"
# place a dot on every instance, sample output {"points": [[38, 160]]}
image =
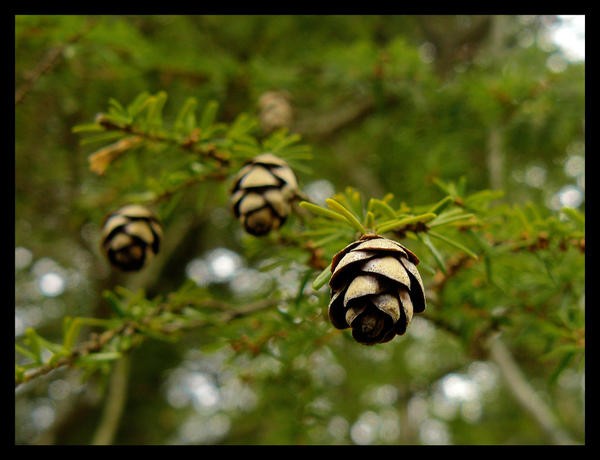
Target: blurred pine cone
{"points": [[131, 237], [375, 289], [275, 110], [262, 194]]}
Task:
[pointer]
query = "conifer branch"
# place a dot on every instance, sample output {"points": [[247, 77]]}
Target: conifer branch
{"points": [[96, 343]]}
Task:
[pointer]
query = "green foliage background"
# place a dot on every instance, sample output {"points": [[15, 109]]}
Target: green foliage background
{"points": [[481, 109]]}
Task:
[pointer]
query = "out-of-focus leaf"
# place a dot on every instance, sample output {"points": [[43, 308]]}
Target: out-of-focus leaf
{"points": [[349, 216], [185, 120], [398, 223], [100, 357], [424, 237], [324, 212], [322, 278], [441, 205], [209, 115], [454, 243]]}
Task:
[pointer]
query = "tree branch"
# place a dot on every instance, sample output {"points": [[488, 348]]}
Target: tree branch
{"points": [[46, 64], [97, 342], [115, 402], [210, 151], [329, 123], [524, 394]]}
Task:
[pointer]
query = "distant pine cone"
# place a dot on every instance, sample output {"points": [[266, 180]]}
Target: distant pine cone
{"points": [[375, 289], [131, 237], [262, 194], [275, 110]]}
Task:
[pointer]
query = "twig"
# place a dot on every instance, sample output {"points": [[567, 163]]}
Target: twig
{"points": [[93, 344], [46, 64], [525, 395], [97, 342], [216, 175], [210, 151]]}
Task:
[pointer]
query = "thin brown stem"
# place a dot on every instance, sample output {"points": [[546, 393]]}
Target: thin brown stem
{"points": [[209, 151], [97, 342], [48, 62]]}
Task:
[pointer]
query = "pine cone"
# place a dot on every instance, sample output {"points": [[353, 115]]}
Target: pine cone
{"points": [[131, 237], [262, 194], [275, 110], [375, 289]]}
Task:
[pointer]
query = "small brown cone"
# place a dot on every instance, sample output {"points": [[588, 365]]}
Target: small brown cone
{"points": [[275, 110], [375, 289], [131, 237], [262, 194]]}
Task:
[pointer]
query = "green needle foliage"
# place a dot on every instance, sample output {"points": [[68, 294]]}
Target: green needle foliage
{"points": [[461, 156]]}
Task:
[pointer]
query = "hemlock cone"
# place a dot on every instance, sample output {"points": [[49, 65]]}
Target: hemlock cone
{"points": [[131, 237], [262, 194], [375, 289], [275, 110]]}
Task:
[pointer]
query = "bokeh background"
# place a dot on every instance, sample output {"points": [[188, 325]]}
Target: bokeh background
{"points": [[387, 104]]}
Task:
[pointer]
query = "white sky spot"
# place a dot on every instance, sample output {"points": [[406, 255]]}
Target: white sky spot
{"points": [[575, 166], [59, 389], [389, 427], [203, 391], [51, 284], [338, 427], [364, 430], [320, 406], [29, 316], [471, 411], [422, 329], [526, 38], [570, 36], [218, 266], [191, 430], [417, 408], [484, 374], [23, 257], [237, 395], [197, 271], [223, 264], [201, 430], [318, 191], [383, 395], [434, 432], [535, 176], [458, 387], [19, 325], [556, 63], [570, 196], [177, 396], [249, 281], [324, 368], [444, 407], [44, 265], [43, 416]]}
